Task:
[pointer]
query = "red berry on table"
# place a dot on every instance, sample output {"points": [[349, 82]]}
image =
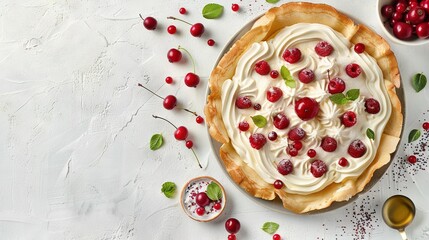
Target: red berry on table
{"points": [[200, 211], [336, 85], [189, 144], [182, 10], [329, 144], [169, 102], [181, 133], [387, 11], [412, 159], [197, 29], [311, 153], [318, 168], [262, 67], [372, 106], [149, 23], [357, 149], [306, 108], [278, 184], [280, 121], [272, 136], [292, 151], [353, 70], [402, 30], [274, 74], [349, 119], [257, 140], [274, 94], [422, 30], [343, 162], [257, 106], [277, 237], [401, 7], [232, 225], [292, 55], [243, 126], [235, 7], [285, 167], [211, 42], [296, 134], [202, 199], [243, 102], [199, 119], [232, 237], [306, 75], [359, 48], [323, 48], [192, 79], [416, 15], [217, 206], [171, 29], [174, 55], [426, 126], [169, 80]]}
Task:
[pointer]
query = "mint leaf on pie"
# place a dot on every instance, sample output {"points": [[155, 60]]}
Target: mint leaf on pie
{"points": [[214, 192], [370, 133], [168, 188], [352, 94], [270, 227], [287, 77], [338, 98], [259, 120]]}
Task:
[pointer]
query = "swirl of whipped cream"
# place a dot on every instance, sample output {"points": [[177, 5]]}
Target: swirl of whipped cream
{"points": [[246, 82]]}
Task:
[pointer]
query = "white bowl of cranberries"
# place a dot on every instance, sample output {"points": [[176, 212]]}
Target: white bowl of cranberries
{"points": [[405, 21]]}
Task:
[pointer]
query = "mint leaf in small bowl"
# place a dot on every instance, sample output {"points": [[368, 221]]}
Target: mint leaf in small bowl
{"points": [[214, 192]]}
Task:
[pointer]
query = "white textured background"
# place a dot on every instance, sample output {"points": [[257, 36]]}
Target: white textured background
{"points": [[75, 162]]}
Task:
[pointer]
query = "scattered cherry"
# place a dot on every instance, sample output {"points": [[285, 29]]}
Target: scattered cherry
{"points": [[243, 102], [329, 144], [257, 140], [372, 106], [280, 121], [202, 199], [412, 159], [235, 7], [426, 126], [174, 55], [182, 10], [349, 118], [311, 153], [257, 106], [199, 119], [196, 30], [323, 48], [357, 149], [296, 134], [274, 74], [359, 48], [217, 206], [285, 167], [232, 237], [149, 23], [277, 237], [200, 211], [274, 94], [278, 184], [353, 70], [192, 79], [232, 225], [272, 136], [211, 42], [306, 108], [243, 126], [171, 29], [262, 67], [169, 80], [318, 168], [306, 75], [169, 102], [336, 85], [189, 144], [292, 55], [343, 162], [181, 133]]}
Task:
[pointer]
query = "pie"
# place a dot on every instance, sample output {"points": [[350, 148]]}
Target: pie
{"points": [[305, 106]]}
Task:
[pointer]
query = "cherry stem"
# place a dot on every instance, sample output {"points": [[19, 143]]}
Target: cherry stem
{"points": [[189, 54], [179, 20], [141, 16], [189, 111], [154, 116], [198, 161], [329, 77], [140, 85]]}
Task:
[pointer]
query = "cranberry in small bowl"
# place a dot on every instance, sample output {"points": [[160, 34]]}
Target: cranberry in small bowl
{"points": [[405, 22], [203, 199]]}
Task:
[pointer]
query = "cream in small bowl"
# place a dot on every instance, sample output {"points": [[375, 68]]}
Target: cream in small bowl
{"points": [[208, 186]]}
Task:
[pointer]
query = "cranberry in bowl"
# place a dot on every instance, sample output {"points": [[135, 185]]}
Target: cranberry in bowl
{"points": [[405, 22], [203, 199]]}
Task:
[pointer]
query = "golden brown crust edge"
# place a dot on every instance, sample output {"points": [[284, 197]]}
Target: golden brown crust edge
{"points": [[271, 22]]}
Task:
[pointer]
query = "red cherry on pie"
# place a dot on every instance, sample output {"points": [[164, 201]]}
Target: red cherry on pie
{"points": [[292, 55], [329, 144], [285, 167], [323, 49], [262, 67], [349, 119], [243, 102], [372, 106], [318, 168], [357, 149], [336, 85], [280, 121], [306, 108], [274, 94], [296, 134], [257, 140]]}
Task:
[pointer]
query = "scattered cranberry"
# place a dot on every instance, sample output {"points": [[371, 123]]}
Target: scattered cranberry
{"points": [[292, 55], [211, 42], [422, 30], [169, 80], [232, 225], [171, 29], [353, 70], [349, 119], [336, 85], [235, 7], [280, 121], [306, 75], [217, 206], [189, 144], [311, 153], [192, 79], [372, 106], [243, 126], [174, 55], [169, 102], [257, 140], [278, 184], [182, 10], [262, 67], [387, 11], [277, 237], [426, 126], [274, 74], [412, 159], [318, 168], [306, 108], [181, 133], [149, 23], [285, 167], [329, 144], [402, 30], [343, 162], [359, 48], [197, 29], [257, 106], [232, 237], [296, 134], [199, 119], [357, 149], [272, 136], [202, 199], [200, 211], [274, 94], [243, 102], [292, 151], [416, 15], [323, 48]]}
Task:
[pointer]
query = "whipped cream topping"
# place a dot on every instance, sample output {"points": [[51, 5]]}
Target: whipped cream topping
{"points": [[246, 82]]}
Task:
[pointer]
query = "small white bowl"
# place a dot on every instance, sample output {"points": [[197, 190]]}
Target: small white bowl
{"points": [[187, 196], [389, 31]]}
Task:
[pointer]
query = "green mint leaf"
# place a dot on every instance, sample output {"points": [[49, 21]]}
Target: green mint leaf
{"points": [[289, 81], [212, 10], [352, 94], [270, 227], [168, 188], [338, 98], [272, 1], [214, 192], [259, 120], [419, 81], [370, 133], [156, 142], [414, 135]]}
